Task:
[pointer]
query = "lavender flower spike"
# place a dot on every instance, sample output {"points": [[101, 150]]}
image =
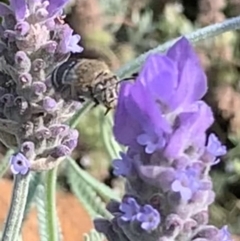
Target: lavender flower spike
{"points": [[162, 121], [34, 41]]}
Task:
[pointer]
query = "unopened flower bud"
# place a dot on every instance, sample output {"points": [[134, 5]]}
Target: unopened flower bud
{"points": [[22, 104], [22, 28], [7, 99], [208, 232], [39, 88], [22, 62], [50, 47], [49, 104], [41, 14], [38, 64], [70, 143], [58, 129], [28, 149], [60, 151], [42, 133], [25, 79]]}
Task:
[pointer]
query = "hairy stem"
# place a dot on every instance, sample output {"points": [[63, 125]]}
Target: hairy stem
{"points": [[16, 211], [196, 36], [50, 204]]}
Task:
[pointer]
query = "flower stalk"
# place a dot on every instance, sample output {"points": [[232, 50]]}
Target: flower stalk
{"points": [[194, 37], [16, 211], [34, 41], [50, 203]]}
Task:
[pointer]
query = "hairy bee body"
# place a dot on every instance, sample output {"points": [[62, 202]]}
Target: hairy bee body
{"points": [[81, 79]]}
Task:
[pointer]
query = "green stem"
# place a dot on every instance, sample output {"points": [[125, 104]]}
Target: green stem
{"points": [[196, 36], [51, 212], [5, 163], [16, 211]]}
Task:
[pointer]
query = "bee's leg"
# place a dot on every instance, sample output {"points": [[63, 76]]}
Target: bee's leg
{"points": [[107, 110], [96, 102], [81, 99], [93, 97], [133, 76]]}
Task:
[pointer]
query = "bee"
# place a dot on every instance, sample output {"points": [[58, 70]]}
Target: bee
{"points": [[81, 79]]}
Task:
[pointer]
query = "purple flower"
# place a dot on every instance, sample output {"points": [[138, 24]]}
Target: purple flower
{"points": [[130, 208], [187, 182], [162, 120], [19, 164], [185, 192], [225, 235], [149, 218], [214, 146], [152, 141], [69, 42], [123, 166]]}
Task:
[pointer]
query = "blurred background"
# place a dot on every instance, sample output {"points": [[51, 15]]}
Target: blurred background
{"points": [[118, 31]]}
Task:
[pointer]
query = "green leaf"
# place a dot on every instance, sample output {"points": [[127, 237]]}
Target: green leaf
{"points": [[93, 235], [4, 164], [87, 190]]}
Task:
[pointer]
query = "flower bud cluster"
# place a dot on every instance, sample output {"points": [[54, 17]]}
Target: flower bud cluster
{"points": [[34, 41], [162, 121]]}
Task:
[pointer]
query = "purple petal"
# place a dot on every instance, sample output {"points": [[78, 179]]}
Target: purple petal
{"points": [[192, 81], [125, 127], [130, 208], [214, 146], [186, 193], [19, 7], [69, 42], [191, 131], [136, 115], [73, 44], [19, 164], [123, 166], [159, 74], [14, 170], [55, 6]]}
